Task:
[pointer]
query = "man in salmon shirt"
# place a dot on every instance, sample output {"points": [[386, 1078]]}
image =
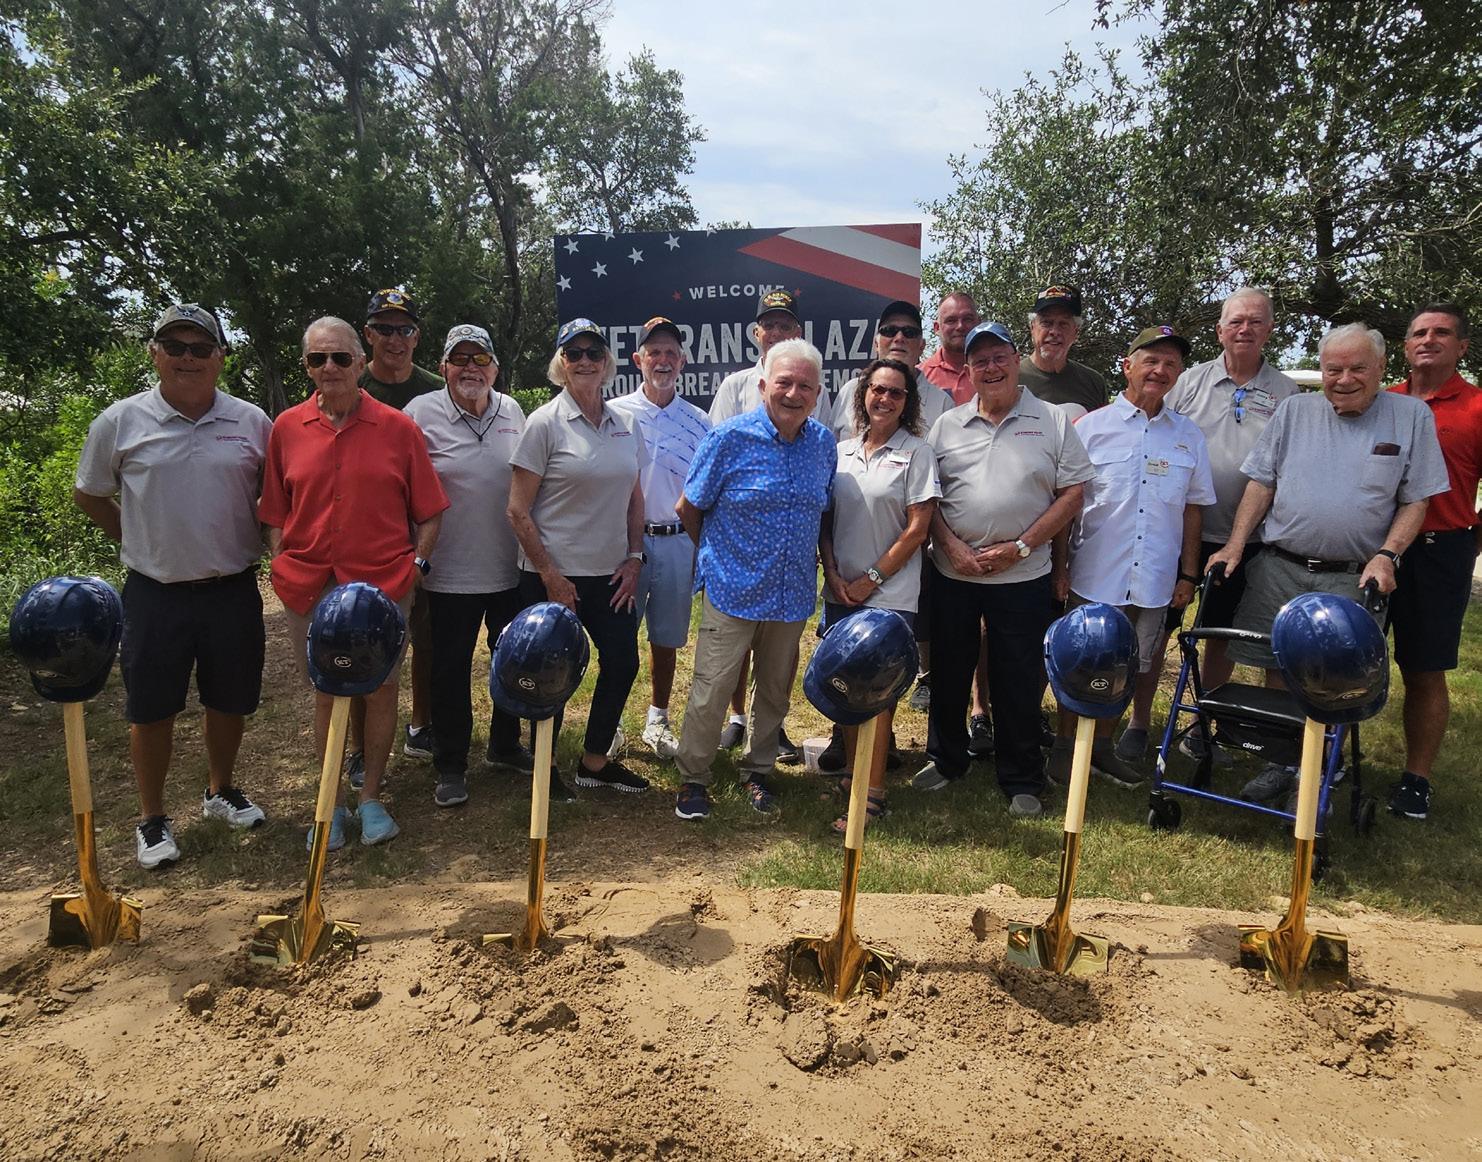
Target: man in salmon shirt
{"points": [[349, 494], [1434, 583]]}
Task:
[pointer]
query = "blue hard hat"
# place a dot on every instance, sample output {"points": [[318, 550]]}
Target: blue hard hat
{"points": [[862, 666], [66, 631], [538, 661], [1333, 656], [355, 637], [1091, 660]]}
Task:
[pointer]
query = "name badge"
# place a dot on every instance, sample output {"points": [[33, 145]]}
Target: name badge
{"points": [[1158, 467]]}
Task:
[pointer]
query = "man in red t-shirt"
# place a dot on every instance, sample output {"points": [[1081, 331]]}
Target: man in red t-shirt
{"points": [[1435, 582], [349, 494], [957, 314]]}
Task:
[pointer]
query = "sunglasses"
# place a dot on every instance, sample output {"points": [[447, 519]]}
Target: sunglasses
{"points": [[405, 330], [577, 354], [463, 359], [317, 359], [891, 330], [892, 392], [1238, 399], [174, 348]]}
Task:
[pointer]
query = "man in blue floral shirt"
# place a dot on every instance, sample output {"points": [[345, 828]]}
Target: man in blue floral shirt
{"points": [[756, 489]]}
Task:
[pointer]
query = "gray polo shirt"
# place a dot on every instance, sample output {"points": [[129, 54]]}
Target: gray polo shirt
{"points": [[998, 480], [476, 549], [741, 392], [934, 403], [870, 501], [1339, 479], [586, 475], [187, 488], [1206, 394]]}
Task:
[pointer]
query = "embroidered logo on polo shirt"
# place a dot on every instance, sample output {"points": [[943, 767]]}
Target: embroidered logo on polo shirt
{"points": [[234, 439], [1029, 432], [508, 431]]}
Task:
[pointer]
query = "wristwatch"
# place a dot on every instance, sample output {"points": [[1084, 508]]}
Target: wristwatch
{"points": [[641, 557], [423, 564], [1024, 550], [875, 575], [1394, 557]]}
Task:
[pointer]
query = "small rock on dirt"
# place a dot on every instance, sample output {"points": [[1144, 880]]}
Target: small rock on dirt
{"points": [[200, 998], [806, 1040], [364, 998], [556, 1015]]}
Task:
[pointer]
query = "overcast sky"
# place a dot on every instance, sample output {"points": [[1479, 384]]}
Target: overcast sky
{"points": [[795, 97]]}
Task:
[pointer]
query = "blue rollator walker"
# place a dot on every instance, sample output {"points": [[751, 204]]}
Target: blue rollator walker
{"points": [[1255, 721]]}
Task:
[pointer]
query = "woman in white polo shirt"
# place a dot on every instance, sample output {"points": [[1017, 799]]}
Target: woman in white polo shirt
{"points": [[870, 541], [577, 510]]}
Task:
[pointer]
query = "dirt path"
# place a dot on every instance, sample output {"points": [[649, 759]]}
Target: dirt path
{"points": [[665, 1029]]}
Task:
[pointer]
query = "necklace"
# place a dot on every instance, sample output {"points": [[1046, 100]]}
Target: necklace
{"points": [[463, 415]]}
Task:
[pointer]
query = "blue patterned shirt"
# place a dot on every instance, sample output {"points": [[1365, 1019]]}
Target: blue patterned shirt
{"points": [[762, 498]]}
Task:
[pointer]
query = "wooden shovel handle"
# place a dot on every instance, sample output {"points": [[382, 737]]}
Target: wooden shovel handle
{"points": [[78, 776], [1309, 783], [859, 783], [1080, 775], [334, 759], [540, 779]]}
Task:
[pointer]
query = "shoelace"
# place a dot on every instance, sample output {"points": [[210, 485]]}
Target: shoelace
{"points": [[155, 829], [239, 801]]}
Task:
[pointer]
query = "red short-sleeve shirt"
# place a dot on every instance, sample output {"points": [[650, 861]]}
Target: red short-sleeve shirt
{"points": [[346, 499], [1457, 408]]}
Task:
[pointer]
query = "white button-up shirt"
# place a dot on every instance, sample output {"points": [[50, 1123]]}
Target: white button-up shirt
{"points": [[1124, 548]]}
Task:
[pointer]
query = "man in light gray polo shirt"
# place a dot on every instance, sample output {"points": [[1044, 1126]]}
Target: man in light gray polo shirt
{"points": [[173, 474]]}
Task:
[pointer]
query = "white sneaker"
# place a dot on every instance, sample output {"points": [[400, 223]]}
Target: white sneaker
{"points": [[619, 742], [233, 806], [154, 842], [658, 736]]}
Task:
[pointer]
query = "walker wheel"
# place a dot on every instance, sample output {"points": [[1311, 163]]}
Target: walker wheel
{"points": [[1164, 814]]}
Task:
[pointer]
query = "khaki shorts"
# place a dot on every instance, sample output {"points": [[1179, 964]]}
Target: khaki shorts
{"points": [[1272, 581], [1147, 624], [298, 635]]}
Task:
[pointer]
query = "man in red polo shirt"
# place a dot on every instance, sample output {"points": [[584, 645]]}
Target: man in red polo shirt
{"points": [[957, 314], [1434, 583], [349, 494]]}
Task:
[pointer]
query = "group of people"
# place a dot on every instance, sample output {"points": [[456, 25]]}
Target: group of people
{"points": [[977, 494]]}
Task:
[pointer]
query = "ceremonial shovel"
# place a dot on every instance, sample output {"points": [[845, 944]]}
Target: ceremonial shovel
{"points": [[840, 962], [1290, 955], [1053, 945], [308, 934], [93, 917], [534, 929]]}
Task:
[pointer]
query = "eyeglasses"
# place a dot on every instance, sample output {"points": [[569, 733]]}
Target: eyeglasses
{"points": [[174, 348], [1003, 359], [891, 330], [577, 354], [1238, 399], [892, 392], [317, 359], [779, 326], [463, 359], [405, 330]]}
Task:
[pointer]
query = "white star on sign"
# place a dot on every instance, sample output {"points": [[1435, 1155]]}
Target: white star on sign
{"points": [[672, 242], [571, 246], [607, 236], [636, 257], [599, 270], [563, 283]]}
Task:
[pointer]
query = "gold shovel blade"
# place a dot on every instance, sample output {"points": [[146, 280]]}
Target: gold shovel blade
{"points": [[840, 968], [1061, 951], [79, 922], [285, 940], [1295, 959]]}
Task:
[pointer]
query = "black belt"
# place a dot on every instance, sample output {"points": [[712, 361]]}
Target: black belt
{"points": [[250, 571], [666, 530], [1315, 565]]}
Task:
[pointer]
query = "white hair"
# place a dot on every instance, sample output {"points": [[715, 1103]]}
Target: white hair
{"points": [[794, 349], [332, 323], [1352, 331], [1033, 315], [1248, 292]]}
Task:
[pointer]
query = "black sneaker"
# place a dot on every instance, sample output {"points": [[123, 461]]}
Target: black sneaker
{"points": [[519, 760], [451, 790], [560, 792], [692, 802], [979, 736], [760, 796], [1411, 797], [731, 735], [831, 758], [418, 744], [1046, 731], [787, 751], [355, 768], [154, 843], [613, 775]]}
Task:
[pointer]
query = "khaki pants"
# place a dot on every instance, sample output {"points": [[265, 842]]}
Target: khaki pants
{"points": [[720, 649]]}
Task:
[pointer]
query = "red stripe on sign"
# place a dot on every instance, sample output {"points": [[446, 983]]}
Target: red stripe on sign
{"points": [[907, 234], [863, 276]]}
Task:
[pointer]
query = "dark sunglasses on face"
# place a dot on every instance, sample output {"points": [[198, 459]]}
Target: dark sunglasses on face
{"points": [[577, 354], [464, 358], [174, 348], [892, 392], [317, 358], [405, 330], [891, 330]]}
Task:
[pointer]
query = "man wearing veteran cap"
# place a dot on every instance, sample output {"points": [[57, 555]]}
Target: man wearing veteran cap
{"points": [[1050, 372], [471, 432], [1135, 544], [957, 314], [671, 429], [1012, 472], [173, 475]]}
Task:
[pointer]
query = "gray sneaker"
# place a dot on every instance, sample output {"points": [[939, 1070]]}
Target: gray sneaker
{"points": [[1192, 746], [451, 790], [1271, 784], [920, 699], [1133, 745], [1104, 762], [1026, 807], [928, 778]]}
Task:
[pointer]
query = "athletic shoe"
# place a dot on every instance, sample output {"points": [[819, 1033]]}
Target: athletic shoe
{"points": [[418, 744], [233, 806], [893, 759], [451, 790], [787, 750], [831, 758], [921, 696], [619, 742], [338, 822], [1104, 762], [979, 736], [658, 736], [1026, 807], [1046, 732], [1411, 797], [1271, 784], [560, 792], [928, 778], [1133, 745], [1057, 765], [519, 760], [355, 768], [731, 735], [760, 796], [376, 824], [154, 843], [613, 775], [692, 802], [1192, 746]]}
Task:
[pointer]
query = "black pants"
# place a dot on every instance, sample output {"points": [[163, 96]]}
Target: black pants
{"points": [[455, 620], [614, 633], [1016, 616]]}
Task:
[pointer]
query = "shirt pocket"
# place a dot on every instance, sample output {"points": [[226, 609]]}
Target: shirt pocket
{"points": [[1173, 486], [1117, 478], [1380, 475]]}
